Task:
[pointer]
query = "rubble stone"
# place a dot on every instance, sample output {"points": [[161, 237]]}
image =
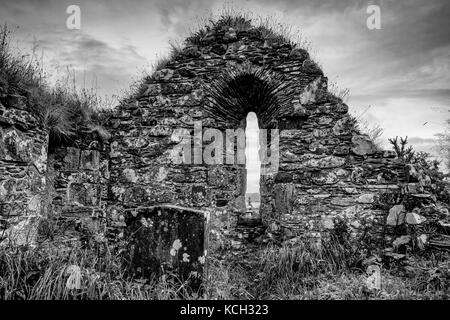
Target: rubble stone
{"points": [[414, 218], [396, 215]]}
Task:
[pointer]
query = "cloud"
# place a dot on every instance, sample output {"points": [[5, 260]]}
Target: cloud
{"points": [[402, 70], [95, 62], [419, 140]]}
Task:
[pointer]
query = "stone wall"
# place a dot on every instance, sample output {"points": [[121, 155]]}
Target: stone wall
{"points": [[328, 171], [77, 185], [330, 174], [23, 163]]}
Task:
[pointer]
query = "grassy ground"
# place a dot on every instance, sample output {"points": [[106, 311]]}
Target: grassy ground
{"points": [[330, 271], [302, 271], [73, 273], [293, 274]]}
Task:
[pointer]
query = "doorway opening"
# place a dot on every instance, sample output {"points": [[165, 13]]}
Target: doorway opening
{"points": [[252, 165]]}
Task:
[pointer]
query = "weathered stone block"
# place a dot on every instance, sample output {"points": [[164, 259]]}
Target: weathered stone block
{"points": [[343, 126], [396, 215], [414, 218], [90, 160], [368, 198], [284, 197], [72, 159], [200, 196], [325, 177], [167, 239], [363, 146], [83, 194]]}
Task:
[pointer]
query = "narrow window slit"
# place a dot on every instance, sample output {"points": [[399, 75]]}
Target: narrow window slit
{"points": [[253, 166]]}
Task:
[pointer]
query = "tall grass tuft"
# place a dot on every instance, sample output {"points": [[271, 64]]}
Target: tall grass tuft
{"points": [[293, 269], [62, 109], [72, 273]]}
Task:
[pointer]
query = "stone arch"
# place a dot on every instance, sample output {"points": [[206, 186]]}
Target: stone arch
{"points": [[243, 88], [246, 88]]}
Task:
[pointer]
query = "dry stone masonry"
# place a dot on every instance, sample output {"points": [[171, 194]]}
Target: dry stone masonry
{"points": [[77, 178], [23, 164], [327, 170], [132, 189]]}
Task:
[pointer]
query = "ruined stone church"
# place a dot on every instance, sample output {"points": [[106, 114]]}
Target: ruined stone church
{"points": [[130, 188]]}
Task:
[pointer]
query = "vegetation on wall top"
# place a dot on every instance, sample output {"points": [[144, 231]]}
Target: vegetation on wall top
{"points": [[62, 109]]}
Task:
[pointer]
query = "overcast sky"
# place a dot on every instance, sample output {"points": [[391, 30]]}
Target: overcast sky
{"points": [[399, 76]]}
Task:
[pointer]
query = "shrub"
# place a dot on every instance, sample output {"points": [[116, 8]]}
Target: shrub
{"points": [[444, 144], [422, 168]]}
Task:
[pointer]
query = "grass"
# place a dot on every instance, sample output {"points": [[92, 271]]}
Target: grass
{"points": [[140, 85], [304, 270], [50, 273], [269, 28], [62, 109], [332, 268]]}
